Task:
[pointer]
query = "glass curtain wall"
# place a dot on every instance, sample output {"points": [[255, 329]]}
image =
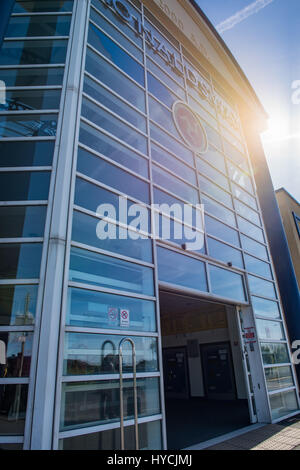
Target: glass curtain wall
{"points": [[32, 64]]}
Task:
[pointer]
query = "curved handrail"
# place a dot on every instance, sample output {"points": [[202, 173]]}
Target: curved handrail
{"points": [[129, 340]]}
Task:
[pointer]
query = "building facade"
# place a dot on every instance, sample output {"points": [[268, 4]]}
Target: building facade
{"points": [[129, 104]]}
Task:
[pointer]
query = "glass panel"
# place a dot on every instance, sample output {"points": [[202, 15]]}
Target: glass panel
{"points": [[149, 439], [24, 185], [27, 26], [21, 221], [101, 170], [20, 261], [116, 35], [111, 77], [209, 171], [15, 354], [219, 230], [180, 234], [111, 124], [243, 196], [279, 377], [225, 253], [22, 100], [212, 135], [85, 230], [227, 284], [96, 269], [116, 19], [219, 211], [115, 151], [17, 305], [109, 49], [45, 5], [235, 155], [160, 91], [283, 404], [175, 268], [260, 287], [203, 113], [89, 196], [32, 77], [161, 156], [89, 354], [31, 125], [258, 267], [94, 403], [265, 308], [247, 212], [166, 79], [171, 183], [162, 116], [26, 153], [214, 191], [274, 353], [99, 310], [267, 329], [171, 144], [33, 52], [113, 103], [11, 446], [160, 197], [240, 178], [250, 229], [215, 158], [13, 401], [255, 248]]}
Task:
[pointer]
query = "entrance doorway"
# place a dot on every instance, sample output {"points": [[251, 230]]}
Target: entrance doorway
{"points": [[205, 389]]}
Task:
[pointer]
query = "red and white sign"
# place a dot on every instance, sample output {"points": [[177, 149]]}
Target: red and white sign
{"points": [[189, 127], [250, 335], [124, 317]]}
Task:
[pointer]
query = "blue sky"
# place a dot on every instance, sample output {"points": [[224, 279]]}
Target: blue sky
{"points": [[267, 46]]}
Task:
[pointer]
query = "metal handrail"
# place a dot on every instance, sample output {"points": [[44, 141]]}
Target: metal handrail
{"points": [[129, 340]]}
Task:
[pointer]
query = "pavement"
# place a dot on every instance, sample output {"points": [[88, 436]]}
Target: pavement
{"points": [[282, 436]]}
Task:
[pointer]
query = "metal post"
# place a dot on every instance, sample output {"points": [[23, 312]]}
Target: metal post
{"points": [[129, 340]]}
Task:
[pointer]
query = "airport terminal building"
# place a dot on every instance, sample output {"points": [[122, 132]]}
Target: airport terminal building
{"points": [[109, 342]]}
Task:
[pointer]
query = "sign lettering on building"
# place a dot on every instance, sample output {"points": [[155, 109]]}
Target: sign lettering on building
{"points": [[193, 78]]}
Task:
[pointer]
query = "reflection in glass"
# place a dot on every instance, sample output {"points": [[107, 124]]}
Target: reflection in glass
{"points": [[27, 26], [96, 269], [267, 329], [85, 231], [22, 221], [252, 230], [219, 230], [100, 170], [218, 210], [100, 310], [283, 404], [279, 377], [149, 439], [13, 401], [178, 187], [93, 354], [15, 354], [265, 308], [167, 160], [225, 253], [32, 77], [30, 125], [20, 261], [26, 153], [24, 6], [93, 403], [33, 52], [23, 100], [171, 144], [227, 283], [261, 287], [112, 149], [256, 266], [24, 185], [175, 268], [17, 305], [254, 247], [274, 353]]}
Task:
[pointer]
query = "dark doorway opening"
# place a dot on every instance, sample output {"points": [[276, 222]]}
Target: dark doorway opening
{"points": [[204, 382]]}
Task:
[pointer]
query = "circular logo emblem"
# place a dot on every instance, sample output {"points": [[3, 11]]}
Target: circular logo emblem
{"points": [[189, 127]]}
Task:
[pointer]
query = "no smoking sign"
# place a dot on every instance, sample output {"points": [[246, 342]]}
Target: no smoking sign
{"points": [[124, 317]]}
